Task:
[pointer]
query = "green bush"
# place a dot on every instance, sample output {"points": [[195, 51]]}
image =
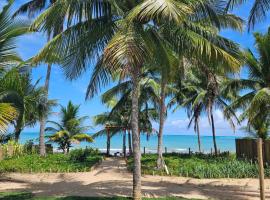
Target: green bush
{"points": [[80, 155], [50, 163], [202, 166]]}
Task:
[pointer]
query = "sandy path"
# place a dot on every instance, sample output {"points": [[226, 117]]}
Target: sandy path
{"points": [[112, 179]]}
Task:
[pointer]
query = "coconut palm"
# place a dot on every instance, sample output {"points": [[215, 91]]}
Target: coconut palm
{"points": [[118, 99], [201, 91], [10, 30], [70, 129], [31, 8], [257, 13], [256, 100], [24, 95], [124, 44]]}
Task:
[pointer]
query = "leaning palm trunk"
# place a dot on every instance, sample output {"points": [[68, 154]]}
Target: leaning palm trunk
{"points": [[136, 137], [160, 161], [42, 148], [214, 133]]}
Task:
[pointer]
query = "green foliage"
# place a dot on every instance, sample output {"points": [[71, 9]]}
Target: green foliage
{"points": [[80, 155], [17, 149], [52, 162], [29, 196], [70, 129], [202, 166]]}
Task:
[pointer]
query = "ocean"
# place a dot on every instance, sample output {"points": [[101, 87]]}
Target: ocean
{"points": [[173, 143]]}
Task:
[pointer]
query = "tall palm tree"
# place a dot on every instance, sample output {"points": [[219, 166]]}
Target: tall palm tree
{"points": [[124, 44], [10, 30], [24, 96], [201, 91], [256, 100], [118, 99], [31, 8], [70, 129], [257, 13]]}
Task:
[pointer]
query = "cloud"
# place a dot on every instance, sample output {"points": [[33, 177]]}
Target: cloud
{"points": [[222, 125]]}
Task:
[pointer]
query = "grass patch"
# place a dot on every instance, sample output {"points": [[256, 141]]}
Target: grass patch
{"points": [[74, 162], [29, 196], [201, 166]]}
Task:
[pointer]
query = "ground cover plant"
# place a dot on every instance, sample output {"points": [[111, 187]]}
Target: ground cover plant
{"points": [[201, 166], [78, 160], [29, 196]]}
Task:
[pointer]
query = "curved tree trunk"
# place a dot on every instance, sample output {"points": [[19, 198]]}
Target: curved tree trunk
{"points": [[214, 133], [199, 137], [42, 148], [136, 137], [160, 161], [124, 143], [129, 143]]}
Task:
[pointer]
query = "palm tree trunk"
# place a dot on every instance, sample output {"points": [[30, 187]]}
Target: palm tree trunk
{"points": [[136, 137], [199, 137], [124, 143], [261, 167], [108, 142], [17, 133], [42, 148], [129, 143], [160, 160], [214, 133]]}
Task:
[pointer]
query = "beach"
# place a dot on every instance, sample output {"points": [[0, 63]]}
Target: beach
{"points": [[111, 178]]}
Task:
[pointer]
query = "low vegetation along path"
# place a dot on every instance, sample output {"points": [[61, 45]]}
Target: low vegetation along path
{"points": [[111, 178]]}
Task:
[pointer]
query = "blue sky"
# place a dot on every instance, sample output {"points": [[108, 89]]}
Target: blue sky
{"points": [[64, 90]]}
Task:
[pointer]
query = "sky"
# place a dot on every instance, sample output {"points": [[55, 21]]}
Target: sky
{"points": [[64, 90]]}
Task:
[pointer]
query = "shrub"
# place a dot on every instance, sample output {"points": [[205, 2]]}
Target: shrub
{"points": [[80, 155], [202, 166], [51, 163]]}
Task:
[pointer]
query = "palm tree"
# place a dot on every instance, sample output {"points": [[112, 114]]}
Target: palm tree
{"points": [[70, 129], [31, 8], [118, 99], [10, 30], [124, 44], [257, 13], [201, 91], [24, 96]]}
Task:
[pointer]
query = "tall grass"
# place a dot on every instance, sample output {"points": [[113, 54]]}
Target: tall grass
{"points": [[202, 166]]}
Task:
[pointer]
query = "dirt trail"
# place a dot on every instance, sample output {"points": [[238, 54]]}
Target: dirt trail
{"points": [[111, 178]]}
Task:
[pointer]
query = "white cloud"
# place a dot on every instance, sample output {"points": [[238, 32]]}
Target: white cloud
{"points": [[220, 122]]}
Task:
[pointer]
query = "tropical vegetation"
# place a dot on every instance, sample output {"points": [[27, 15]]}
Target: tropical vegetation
{"points": [[78, 160], [70, 129], [158, 55], [201, 166]]}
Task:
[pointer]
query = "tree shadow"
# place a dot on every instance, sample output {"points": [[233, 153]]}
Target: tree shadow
{"points": [[153, 188]]}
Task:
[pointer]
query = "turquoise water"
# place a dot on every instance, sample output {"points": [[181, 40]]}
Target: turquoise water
{"points": [[172, 142]]}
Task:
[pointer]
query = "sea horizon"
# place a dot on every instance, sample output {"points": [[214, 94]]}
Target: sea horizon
{"points": [[172, 142]]}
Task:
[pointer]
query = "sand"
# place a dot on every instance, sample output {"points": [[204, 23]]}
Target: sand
{"points": [[111, 178]]}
